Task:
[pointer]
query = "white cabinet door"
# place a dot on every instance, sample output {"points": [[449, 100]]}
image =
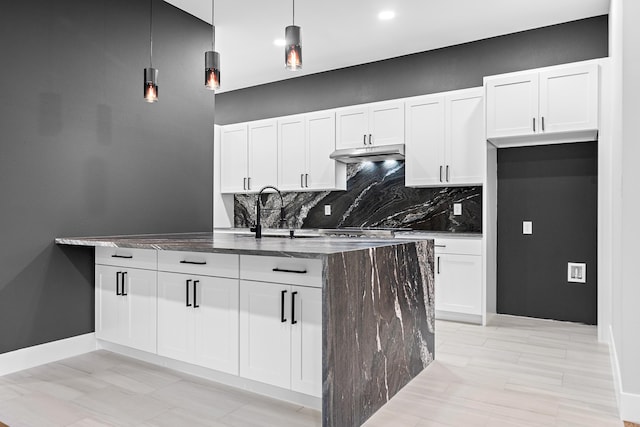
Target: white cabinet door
{"points": [[321, 142], [263, 154], [424, 156], [215, 312], [352, 127], [126, 307], [233, 159], [465, 141], [108, 304], [569, 99], [140, 294], [175, 317], [458, 283], [512, 105], [292, 151], [306, 340], [386, 123], [265, 342]]}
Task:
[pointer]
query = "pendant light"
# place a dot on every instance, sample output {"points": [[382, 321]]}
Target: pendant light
{"points": [[293, 45], [151, 74], [212, 59]]}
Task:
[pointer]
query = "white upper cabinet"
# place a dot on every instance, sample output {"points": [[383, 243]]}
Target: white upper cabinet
{"points": [[248, 156], [550, 105], [445, 139], [374, 124], [304, 145]]}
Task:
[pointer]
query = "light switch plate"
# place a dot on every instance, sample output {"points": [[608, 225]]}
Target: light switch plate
{"points": [[577, 272], [527, 227], [457, 208], [327, 210]]}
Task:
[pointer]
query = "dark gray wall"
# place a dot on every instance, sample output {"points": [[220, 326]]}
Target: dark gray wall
{"points": [[81, 153], [555, 187], [450, 68]]}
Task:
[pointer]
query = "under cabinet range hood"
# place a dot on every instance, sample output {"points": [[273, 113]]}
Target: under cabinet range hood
{"points": [[369, 154]]}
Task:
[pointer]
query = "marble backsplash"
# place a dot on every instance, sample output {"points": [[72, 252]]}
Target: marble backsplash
{"points": [[375, 197]]}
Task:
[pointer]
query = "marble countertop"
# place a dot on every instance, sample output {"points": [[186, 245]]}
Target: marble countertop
{"points": [[237, 242]]}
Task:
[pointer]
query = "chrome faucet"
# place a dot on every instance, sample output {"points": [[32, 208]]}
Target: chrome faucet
{"points": [[258, 227]]}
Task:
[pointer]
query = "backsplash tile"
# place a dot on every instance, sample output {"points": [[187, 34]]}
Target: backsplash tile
{"points": [[375, 197]]}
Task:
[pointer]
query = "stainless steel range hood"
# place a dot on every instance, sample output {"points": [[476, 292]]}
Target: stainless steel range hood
{"points": [[369, 154]]}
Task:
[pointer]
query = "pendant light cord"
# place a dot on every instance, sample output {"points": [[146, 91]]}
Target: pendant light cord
{"points": [[294, 12], [213, 26], [151, 33]]}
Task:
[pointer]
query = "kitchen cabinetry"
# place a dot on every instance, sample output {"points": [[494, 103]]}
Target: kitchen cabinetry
{"points": [[198, 313], [366, 125], [458, 279], [249, 156], [126, 298], [304, 145], [281, 323], [445, 139], [549, 105]]}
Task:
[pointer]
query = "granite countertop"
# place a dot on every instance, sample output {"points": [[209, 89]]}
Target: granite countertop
{"points": [[240, 243]]}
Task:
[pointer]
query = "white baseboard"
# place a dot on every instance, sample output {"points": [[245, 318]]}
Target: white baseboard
{"points": [[459, 317], [216, 376], [628, 403], [37, 355]]}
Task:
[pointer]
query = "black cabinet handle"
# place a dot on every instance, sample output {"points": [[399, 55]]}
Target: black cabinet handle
{"points": [[440, 173], [282, 318], [301, 180], [249, 183], [542, 123], [122, 256], [438, 265], [440, 246], [364, 139], [284, 270], [534, 124], [306, 180], [293, 308], [187, 289], [369, 139], [124, 275], [195, 293], [244, 183], [193, 262], [118, 283], [447, 174]]}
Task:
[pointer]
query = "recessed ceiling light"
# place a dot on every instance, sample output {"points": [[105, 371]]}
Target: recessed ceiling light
{"points": [[279, 42], [385, 15]]}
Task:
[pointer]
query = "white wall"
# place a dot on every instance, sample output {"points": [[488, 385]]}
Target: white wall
{"points": [[625, 292], [222, 204]]}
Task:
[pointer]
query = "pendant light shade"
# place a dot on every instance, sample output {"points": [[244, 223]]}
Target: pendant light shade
{"points": [[212, 59], [150, 73], [293, 44], [151, 84]]}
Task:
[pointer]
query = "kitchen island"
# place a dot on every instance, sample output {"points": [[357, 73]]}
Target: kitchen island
{"points": [[377, 304]]}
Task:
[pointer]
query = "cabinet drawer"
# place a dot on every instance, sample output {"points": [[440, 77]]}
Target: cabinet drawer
{"points": [[200, 263], [458, 246], [127, 257], [293, 271]]}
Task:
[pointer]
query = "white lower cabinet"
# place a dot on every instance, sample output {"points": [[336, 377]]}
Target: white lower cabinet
{"points": [[126, 306], [281, 335], [458, 278], [198, 320]]}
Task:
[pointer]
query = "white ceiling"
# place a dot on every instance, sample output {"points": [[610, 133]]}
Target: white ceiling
{"points": [[341, 33]]}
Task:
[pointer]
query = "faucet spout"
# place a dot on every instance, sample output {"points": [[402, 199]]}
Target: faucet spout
{"points": [[258, 226]]}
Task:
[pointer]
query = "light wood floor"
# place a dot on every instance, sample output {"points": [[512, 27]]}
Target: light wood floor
{"points": [[515, 372]]}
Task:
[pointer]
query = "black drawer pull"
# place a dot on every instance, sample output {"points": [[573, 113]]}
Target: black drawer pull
{"points": [[282, 318], [284, 270], [293, 308], [193, 262], [440, 246], [122, 256]]}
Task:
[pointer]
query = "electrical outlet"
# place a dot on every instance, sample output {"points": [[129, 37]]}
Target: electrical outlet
{"points": [[327, 210], [577, 272], [457, 208], [527, 227]]}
